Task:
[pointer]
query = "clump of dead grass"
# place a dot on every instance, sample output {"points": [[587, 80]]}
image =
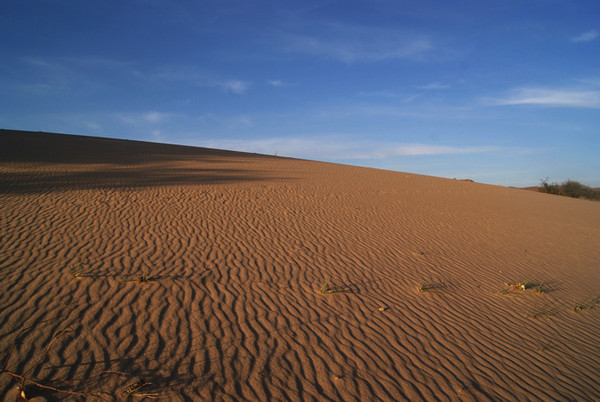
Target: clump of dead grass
{"points": [[80, 269], [328, 288], [587, 304], [135, 390], [23, 380], [432, 287]]}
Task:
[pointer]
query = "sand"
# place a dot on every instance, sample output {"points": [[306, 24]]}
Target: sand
{"points": [[235, 247]]}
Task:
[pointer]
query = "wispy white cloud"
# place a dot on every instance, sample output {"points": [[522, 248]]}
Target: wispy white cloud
{"points": [[234, 86], [433, 86], [188, 75], [450, 112], [60, 75], [45, 76], [386, 93], [155, 117], [280, 83], [157, 135], [586, 36], [550, 98], [77, 63], [419, 150], [590, 81], [349, 43], [44, 63], [92, 125], [226, 122], [339, 149], [145, 118], [412, 98]]}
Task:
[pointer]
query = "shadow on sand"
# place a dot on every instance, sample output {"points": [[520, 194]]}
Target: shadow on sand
{"points": [[57, 162]]}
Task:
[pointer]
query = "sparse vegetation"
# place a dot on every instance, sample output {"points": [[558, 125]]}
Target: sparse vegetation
{"points": [[134, 390], [144, 277], [75, 271], [569, 188], [78, 270], [23, 380], [539, 289], [435, 287], [28, 387], [328, 288], [519, 286], [587, 304]]}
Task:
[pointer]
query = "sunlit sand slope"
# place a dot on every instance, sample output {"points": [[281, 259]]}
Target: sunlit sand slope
{"points": [[233, 249]]}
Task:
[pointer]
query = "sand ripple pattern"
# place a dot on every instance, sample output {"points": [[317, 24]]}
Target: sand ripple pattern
{"points": [[236, 246]]}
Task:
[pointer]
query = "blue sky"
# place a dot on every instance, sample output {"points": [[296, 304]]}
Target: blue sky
{"points": [[499, 91]]}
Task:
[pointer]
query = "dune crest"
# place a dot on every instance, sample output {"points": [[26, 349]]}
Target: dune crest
{"points": [[234, 249]]}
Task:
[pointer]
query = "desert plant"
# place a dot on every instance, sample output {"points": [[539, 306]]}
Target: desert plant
{"points": [[78, 270], [27, 387], [587, 304], [134, 390], [569, 188], [522, 285], [435, 287], [328, 287], [549, 188], [75, 271], [539, 289], [23, 380], [144, 277], [506, 292], [572, 188], [518, 286]]}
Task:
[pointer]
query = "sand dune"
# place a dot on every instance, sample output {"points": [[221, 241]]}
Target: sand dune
{"points": [[235, 248]]}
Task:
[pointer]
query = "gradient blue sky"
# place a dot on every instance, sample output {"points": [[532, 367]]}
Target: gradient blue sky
{"points": [[499, 91]]}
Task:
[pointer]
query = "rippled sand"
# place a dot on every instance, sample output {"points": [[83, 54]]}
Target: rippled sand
{"points": [[235, 247]]}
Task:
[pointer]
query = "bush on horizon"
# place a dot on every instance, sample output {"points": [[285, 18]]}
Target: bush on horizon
{"points": [[569, 188]]}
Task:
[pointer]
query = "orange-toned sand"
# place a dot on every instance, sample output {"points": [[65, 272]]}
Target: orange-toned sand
{"points": [[235, 248]]}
